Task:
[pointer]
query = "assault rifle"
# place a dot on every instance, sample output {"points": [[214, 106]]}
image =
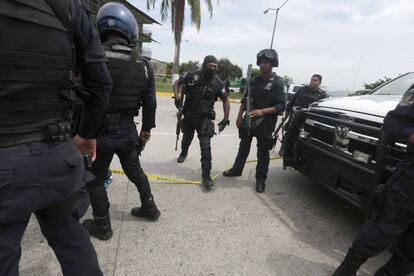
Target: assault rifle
{"points": [[275, 135], [247, 121], [179, 119]]}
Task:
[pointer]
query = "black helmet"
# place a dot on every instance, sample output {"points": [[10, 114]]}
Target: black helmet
{"points": [[116, 17], [270, 54]]}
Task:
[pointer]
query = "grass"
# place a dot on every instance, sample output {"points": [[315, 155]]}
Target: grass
{"points": [[235, 96], [163, 86]]}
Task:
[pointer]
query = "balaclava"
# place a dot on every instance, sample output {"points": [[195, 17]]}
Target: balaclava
{"points": [[207, 72]]}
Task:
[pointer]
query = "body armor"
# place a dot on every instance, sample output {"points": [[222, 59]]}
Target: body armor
{"points": [[307, 96], [201, 96], [264, 95], [129, 78], [36, 58]]}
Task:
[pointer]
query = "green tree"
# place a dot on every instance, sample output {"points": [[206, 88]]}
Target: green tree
{"points": [[177, 9], [255, 72], [189, 66], [228, 70], [169, 69], [379, 82]]}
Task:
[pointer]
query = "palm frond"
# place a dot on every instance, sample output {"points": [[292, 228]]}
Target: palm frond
{"points": [[210, 7], [149, 3], [195, 12], [165, 6]]}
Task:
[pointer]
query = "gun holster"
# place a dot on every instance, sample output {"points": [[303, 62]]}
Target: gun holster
{"points": [[207, 128], [112, 121]]}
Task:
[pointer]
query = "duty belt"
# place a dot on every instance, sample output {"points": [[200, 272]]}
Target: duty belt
{"points": [[60, 131]]}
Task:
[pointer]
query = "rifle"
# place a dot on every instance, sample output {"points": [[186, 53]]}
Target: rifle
{"points": [[275, 134], [247, 121], [179, 119]]}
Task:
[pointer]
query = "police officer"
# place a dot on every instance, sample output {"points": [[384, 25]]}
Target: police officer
{"points": [[395, 224], [134, 87], [308, 94], [268, 100], [41, 166], [201, 89]]}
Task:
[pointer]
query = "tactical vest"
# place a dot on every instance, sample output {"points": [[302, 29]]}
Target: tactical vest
{"points": [[263, 93], [129, 78], [307, 96], [200, 97], [35, 66]]}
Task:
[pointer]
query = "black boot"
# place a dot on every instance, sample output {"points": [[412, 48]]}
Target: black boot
{"points": [[99, 227], [232, 172], [350, 265], [394, 267], [208, 182], [182, 156], [147, 210], [260, 185]]}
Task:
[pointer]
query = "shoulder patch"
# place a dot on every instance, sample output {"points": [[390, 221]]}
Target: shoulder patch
{"points": [[408, 98]]}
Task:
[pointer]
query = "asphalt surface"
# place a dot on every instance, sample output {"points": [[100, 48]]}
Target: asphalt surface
{"points": [[295, 228]]}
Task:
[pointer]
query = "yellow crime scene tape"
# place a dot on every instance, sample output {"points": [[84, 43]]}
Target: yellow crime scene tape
{"points": [[273, 158], [162, 178]]}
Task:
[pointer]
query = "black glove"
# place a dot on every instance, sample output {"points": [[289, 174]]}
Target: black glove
{"points": [[223, 124], [177, 103]]}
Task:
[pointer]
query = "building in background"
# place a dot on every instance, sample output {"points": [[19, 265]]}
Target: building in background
{"points": [[145, 35]]}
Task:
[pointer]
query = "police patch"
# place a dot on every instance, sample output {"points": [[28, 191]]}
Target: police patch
{"points": [[268, 86], [408, 98]]}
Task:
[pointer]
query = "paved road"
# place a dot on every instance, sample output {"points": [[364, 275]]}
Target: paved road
{"points": [[294, 228]]}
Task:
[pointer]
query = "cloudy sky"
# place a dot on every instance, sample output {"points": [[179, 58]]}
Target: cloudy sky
{"points": [[349, 42]]}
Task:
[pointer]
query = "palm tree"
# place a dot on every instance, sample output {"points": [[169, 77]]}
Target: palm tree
{"points": [[177, 8]]}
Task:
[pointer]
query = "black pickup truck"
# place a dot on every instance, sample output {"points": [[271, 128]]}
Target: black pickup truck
{"points": [[338, 142]]}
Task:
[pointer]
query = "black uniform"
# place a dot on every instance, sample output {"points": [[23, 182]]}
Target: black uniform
{"points": [[133, 87], [395, 225], [199, 113], [305, 96], [41, 169], [265, 93]]}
